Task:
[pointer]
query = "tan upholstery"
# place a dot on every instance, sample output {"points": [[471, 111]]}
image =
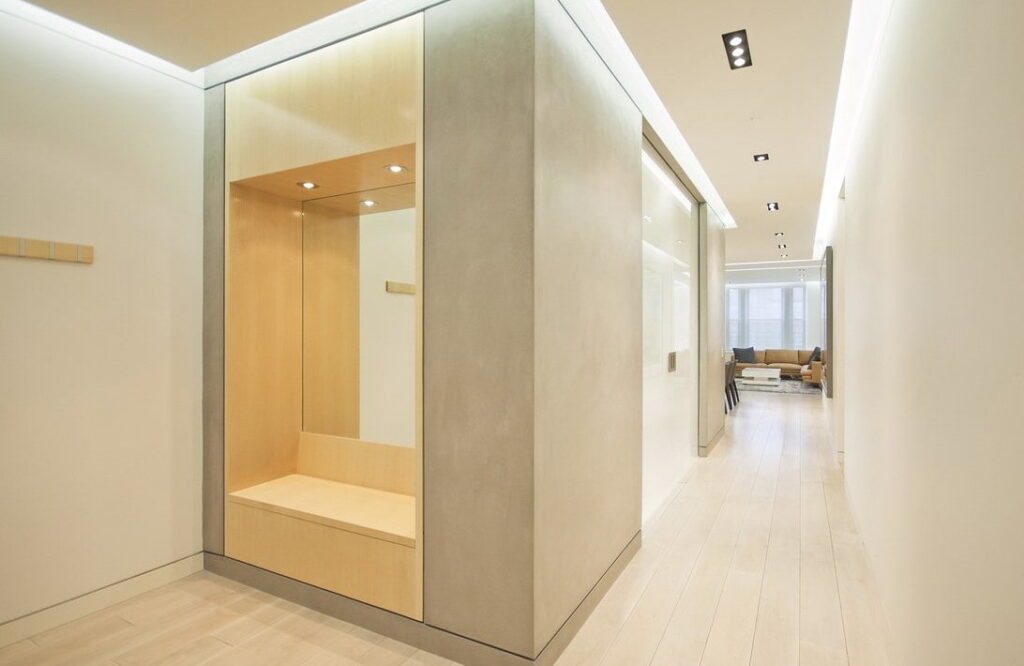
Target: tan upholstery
{"points": [[772, 356], [794, 363], [812, 373]]}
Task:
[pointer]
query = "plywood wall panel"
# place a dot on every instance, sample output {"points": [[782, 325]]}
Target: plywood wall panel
{"points": [[263, 337], [356, 96]]}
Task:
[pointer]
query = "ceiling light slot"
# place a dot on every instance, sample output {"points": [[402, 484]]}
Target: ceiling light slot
{"points": [[737, 49], [773, 206]]}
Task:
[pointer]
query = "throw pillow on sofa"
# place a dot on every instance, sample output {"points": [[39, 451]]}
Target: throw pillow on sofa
{"points": [[744, 355], [815, 355]]}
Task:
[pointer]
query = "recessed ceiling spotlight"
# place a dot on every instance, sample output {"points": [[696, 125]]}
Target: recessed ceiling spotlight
{"points": [[737, 49], [780, 234], [782, 246], [308, 185], [783, 255], [773, 205], [395, 168], [761, 157], [369, 203]]}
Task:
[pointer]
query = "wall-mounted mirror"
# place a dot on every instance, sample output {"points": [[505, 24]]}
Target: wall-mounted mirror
{"points": [[359, 315]]}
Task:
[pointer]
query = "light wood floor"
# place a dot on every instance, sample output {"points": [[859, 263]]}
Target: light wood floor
{"points": [[754, 561]]}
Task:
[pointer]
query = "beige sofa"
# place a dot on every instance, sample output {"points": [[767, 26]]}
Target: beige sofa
{"points": [[794, 363]]}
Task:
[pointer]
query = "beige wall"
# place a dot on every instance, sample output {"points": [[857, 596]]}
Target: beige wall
{"points": [[100, 423], [478, 376], [933, 246], [712, 327], [532, 403], [588, 361]]}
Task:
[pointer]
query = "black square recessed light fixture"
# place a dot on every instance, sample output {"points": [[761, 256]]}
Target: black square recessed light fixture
{"points": [[761, 157], [773, 206], [737, 49]]}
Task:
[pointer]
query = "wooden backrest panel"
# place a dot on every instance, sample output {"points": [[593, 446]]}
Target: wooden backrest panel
{"points": [[381, 466]]}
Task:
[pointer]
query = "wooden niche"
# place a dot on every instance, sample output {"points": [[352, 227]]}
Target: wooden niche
{"points": [[308, 495]]}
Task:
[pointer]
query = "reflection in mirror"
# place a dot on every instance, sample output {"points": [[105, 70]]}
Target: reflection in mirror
{"points": [[359, 315]]}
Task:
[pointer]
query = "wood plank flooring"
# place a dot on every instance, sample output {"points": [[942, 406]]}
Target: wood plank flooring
{"points": [[755, 560]]}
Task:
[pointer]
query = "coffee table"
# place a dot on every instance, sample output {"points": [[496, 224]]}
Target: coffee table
{"points": [[762, 376]]}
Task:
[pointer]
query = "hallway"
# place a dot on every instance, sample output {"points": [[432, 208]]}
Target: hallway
{"points": [[755, 560]]}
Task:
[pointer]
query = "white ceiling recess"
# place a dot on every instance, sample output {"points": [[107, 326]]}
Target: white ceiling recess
{"points": [[193, 33], [782, 105]]}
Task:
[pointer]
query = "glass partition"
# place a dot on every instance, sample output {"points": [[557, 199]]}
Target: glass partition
{"points": [[670, 308]]}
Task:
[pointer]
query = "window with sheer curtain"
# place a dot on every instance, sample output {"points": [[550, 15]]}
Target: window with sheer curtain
{"points": [[766, 316]]}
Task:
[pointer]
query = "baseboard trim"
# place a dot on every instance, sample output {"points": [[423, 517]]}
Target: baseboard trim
{"points": [[412, 632], [29, 625], [705, 449], [571, 627]]}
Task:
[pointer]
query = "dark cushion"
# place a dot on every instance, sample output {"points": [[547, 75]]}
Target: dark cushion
{"points": [[815, 355], [744, 355]]}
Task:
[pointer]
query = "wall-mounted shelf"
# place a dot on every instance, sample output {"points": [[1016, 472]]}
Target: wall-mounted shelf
{"points": [[31, 248]]}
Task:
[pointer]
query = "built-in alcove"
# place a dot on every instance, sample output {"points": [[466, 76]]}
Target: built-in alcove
{"points": [[323, 319]]}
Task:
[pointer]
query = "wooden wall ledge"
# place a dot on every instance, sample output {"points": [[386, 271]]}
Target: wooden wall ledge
{"points": [[30, 248]]}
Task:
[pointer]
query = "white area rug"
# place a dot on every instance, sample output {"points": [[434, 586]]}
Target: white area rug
{"points": [[787, 386]]}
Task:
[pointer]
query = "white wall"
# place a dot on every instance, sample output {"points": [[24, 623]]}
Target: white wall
{"points": [[100, 395], [387, 328], [815, 335], [933, 309]]}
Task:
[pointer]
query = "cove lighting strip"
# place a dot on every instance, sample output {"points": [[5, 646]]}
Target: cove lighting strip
{"points": [[868, 20], [80, 33], [666, 180]]}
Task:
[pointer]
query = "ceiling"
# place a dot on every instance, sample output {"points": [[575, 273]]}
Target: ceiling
{"points": [[781, 105], [193, 33]]}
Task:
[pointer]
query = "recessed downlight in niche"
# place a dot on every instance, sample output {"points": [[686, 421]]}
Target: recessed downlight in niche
{"points": [[761, 157], [308, 185], [773, 205], [782, 246], [780, 234], [737, 49], [369, 203], [783, 255], [395, 168]]}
